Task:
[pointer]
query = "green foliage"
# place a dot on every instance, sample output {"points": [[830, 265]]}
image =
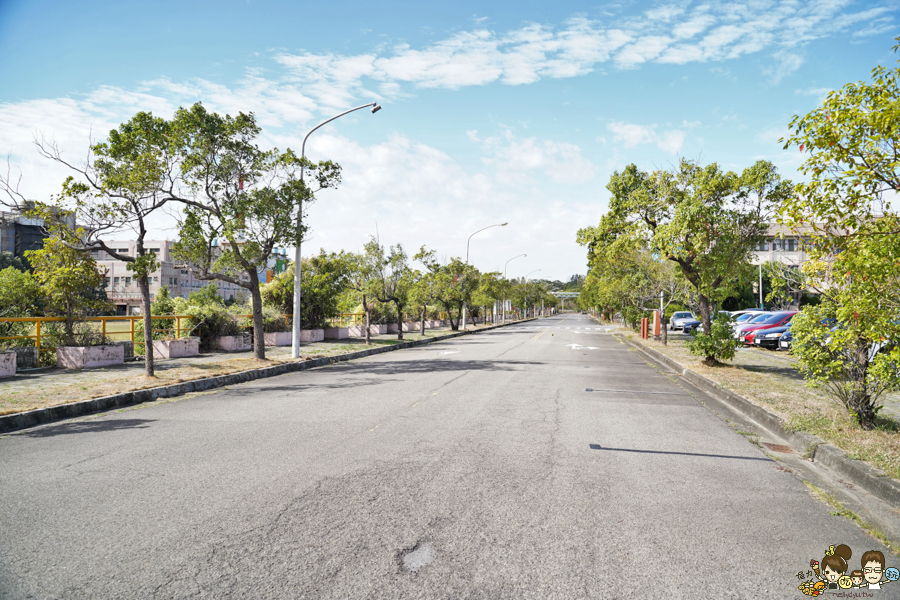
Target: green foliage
{"points": [[846, 206], [68, 279], [717, 346], [20, 296], [7, 260], [705, 220], [324, 278]]}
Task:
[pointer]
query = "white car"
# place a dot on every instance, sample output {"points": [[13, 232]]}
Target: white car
{"points": [[680, 318]]}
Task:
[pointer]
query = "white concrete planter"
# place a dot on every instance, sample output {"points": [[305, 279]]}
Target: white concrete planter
{"points": [[176, 348], [234, 343], [433, 324], [89, 357], [337, 333], [279, 338], [312, 335], [360, 330], [412, 326], [392, 328], [7, 364]]}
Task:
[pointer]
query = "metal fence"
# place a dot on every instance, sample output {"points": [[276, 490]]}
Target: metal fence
{"points": [[105, 330]]}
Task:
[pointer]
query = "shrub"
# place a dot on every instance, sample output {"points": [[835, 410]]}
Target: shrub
{"points": [[718, 345]]}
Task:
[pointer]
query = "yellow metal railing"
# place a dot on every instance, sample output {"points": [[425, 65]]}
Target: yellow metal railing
{"points": [[347, 319], [104, 328]]}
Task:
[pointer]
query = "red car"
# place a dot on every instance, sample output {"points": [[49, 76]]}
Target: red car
{"points": [[777, 319]]}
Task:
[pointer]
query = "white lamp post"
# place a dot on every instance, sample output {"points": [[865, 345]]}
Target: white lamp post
{"points": [[467, 262], [295, 338], [504, 277]]}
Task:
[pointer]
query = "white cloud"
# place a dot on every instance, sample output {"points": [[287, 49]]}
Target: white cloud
{"points": [[513, 159], [631, 136]]}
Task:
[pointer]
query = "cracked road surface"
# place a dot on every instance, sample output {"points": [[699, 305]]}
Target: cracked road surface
{"points": [[480, 467]]}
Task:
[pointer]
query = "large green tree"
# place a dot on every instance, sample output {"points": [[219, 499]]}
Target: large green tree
{"points": [[847, 209], [241, 202], [702, 218]]}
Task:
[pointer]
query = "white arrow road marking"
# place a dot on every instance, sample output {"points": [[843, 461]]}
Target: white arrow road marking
{"points": [[450, 352], [580, 347]]}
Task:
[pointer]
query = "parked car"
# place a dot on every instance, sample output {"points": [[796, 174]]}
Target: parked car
{"points": [[776, 319], [680, 318], [784, 343], [754, 319], [771, 338], [692, 327]]}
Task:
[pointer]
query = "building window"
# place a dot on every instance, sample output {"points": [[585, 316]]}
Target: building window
{"points": [[122, 250], [790, 244], [762, 246], [153, 250], [116, 281], [128, 281]]}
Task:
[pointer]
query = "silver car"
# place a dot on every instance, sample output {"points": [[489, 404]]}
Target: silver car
{"points": [[680, 318]]}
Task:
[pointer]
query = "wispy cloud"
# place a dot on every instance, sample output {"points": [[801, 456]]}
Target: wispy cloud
{"points": [[631, 136]]}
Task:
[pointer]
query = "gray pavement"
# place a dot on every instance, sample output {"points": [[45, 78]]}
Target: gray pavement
{"points": [[479, 467]]}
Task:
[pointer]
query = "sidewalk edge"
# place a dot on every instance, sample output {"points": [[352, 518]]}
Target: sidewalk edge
{"points": [[859, 473]]}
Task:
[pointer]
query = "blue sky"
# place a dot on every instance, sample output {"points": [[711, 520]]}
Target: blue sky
{"points": [[513, 112]]}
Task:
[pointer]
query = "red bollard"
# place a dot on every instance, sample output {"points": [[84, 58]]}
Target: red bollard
{"points": [[645, 328]]}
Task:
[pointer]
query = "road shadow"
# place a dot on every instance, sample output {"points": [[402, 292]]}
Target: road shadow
{"points": [[787, 372], [89, 427], [599, 447]]}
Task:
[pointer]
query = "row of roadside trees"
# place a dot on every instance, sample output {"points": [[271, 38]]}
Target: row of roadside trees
{"points": [[689, 232], [234, 203]]}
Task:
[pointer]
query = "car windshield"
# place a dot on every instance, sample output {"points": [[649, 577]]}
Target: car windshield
{"points": [[744, 317], [682, 315], [761, 318]]}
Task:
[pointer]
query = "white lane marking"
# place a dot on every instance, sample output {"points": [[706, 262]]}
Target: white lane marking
{"points": [[450, 352], [580, 347]]}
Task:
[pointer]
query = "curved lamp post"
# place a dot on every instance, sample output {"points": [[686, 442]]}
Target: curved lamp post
{"points": [[467, 262], [504, 277], [295, 337], [532, 308]]}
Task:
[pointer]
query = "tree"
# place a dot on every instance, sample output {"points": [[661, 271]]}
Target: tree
{"points": [[67, 278], [786, 284], [362, 281], [852, 144], [703, 219], [392, 281], [242, 201], [7, 259], [20, 296], [323, 278], [453, 283], [124, 181]]}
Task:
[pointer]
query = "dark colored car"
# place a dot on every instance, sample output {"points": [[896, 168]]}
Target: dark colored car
{"points": [[771, 338], [785, 342], [776, 319], [692, 327]]}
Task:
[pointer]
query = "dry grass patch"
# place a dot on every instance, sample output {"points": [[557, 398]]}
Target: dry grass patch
{"points": [[772, 381]]}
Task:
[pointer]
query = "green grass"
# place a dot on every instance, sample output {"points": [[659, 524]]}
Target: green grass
{"points": [[841, 511]]}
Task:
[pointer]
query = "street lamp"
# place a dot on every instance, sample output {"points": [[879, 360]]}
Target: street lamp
{"points": [[526, 277], [467, 262], [504, 277], [295, 337]]}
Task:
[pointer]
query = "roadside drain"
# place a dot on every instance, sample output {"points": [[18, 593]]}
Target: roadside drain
{"points": [[417, 557], [778, 448]]}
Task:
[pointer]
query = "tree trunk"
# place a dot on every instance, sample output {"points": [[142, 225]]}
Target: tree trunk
{"points": [[664, 325], [706, 319], [424, 310], [259, 339], [144, 284], [366, 309], [399, 320], [454, 325]]}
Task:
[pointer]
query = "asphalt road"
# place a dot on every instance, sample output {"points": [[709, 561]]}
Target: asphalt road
{"points": [[479, 467]]}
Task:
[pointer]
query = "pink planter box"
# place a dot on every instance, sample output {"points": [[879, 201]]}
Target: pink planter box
{"points": [[280, 338], [176, 348], [89, 357], [411, 326], [392, 328], [360, 330], [312, 335], [337, 333], [7, 364], [234, 343]]}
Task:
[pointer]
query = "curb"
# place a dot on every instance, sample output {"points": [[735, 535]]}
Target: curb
{"points": [[43, 416], [857, 472]]}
